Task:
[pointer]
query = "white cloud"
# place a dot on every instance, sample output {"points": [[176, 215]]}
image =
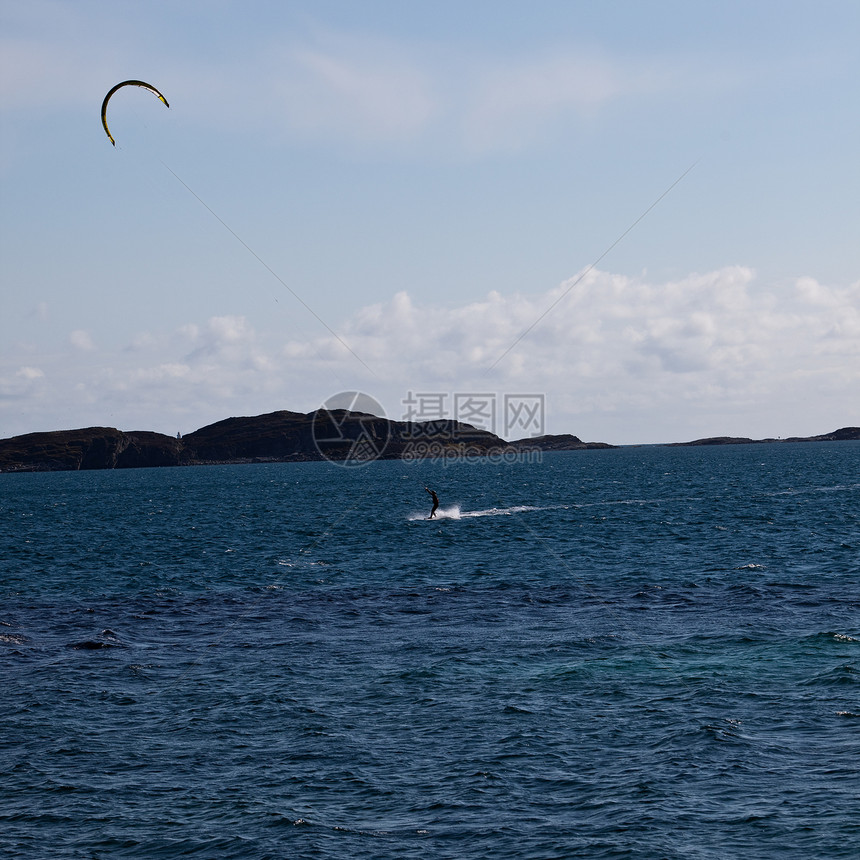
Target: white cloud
{"points": [[614, 344], [619, 359], [20, 386], [325, 84], [218, 336], [332, 86], [81, 340], [510, 103], [372, 97], [369, 90], [229, 329]]}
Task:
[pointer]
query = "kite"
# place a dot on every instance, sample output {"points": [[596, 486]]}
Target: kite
{"points": [[143, 84]]}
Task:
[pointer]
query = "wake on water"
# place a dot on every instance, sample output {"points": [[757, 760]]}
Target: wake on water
{"points": [[454, 513]]}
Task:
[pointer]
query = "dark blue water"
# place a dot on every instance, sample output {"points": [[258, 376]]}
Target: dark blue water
{"points": [[643, 653]]}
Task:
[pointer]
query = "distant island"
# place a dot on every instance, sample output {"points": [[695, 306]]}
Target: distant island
{"points": [[280, 437], [844, 434], [335, 435]]}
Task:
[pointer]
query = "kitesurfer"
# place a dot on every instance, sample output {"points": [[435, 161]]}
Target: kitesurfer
{"points": [[435, 503]]}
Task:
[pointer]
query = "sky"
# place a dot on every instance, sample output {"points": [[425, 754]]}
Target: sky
{"points": [[641, 217]]}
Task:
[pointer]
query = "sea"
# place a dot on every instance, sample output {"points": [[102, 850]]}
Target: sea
{"points": [[646, 652]]}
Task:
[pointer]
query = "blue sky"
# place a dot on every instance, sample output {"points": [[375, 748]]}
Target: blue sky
{"points": [[430, 179]]}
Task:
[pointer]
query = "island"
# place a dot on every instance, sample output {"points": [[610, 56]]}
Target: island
{"points": [[283, 436], [844, 434]]}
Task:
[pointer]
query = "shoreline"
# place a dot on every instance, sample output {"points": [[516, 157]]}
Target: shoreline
{"points": [[283, 437]]}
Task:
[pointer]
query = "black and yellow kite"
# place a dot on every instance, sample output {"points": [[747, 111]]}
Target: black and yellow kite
{"points": [[143, 84]]}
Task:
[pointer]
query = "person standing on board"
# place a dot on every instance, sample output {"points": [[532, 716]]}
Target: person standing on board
{"points": [[435, 503]]}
